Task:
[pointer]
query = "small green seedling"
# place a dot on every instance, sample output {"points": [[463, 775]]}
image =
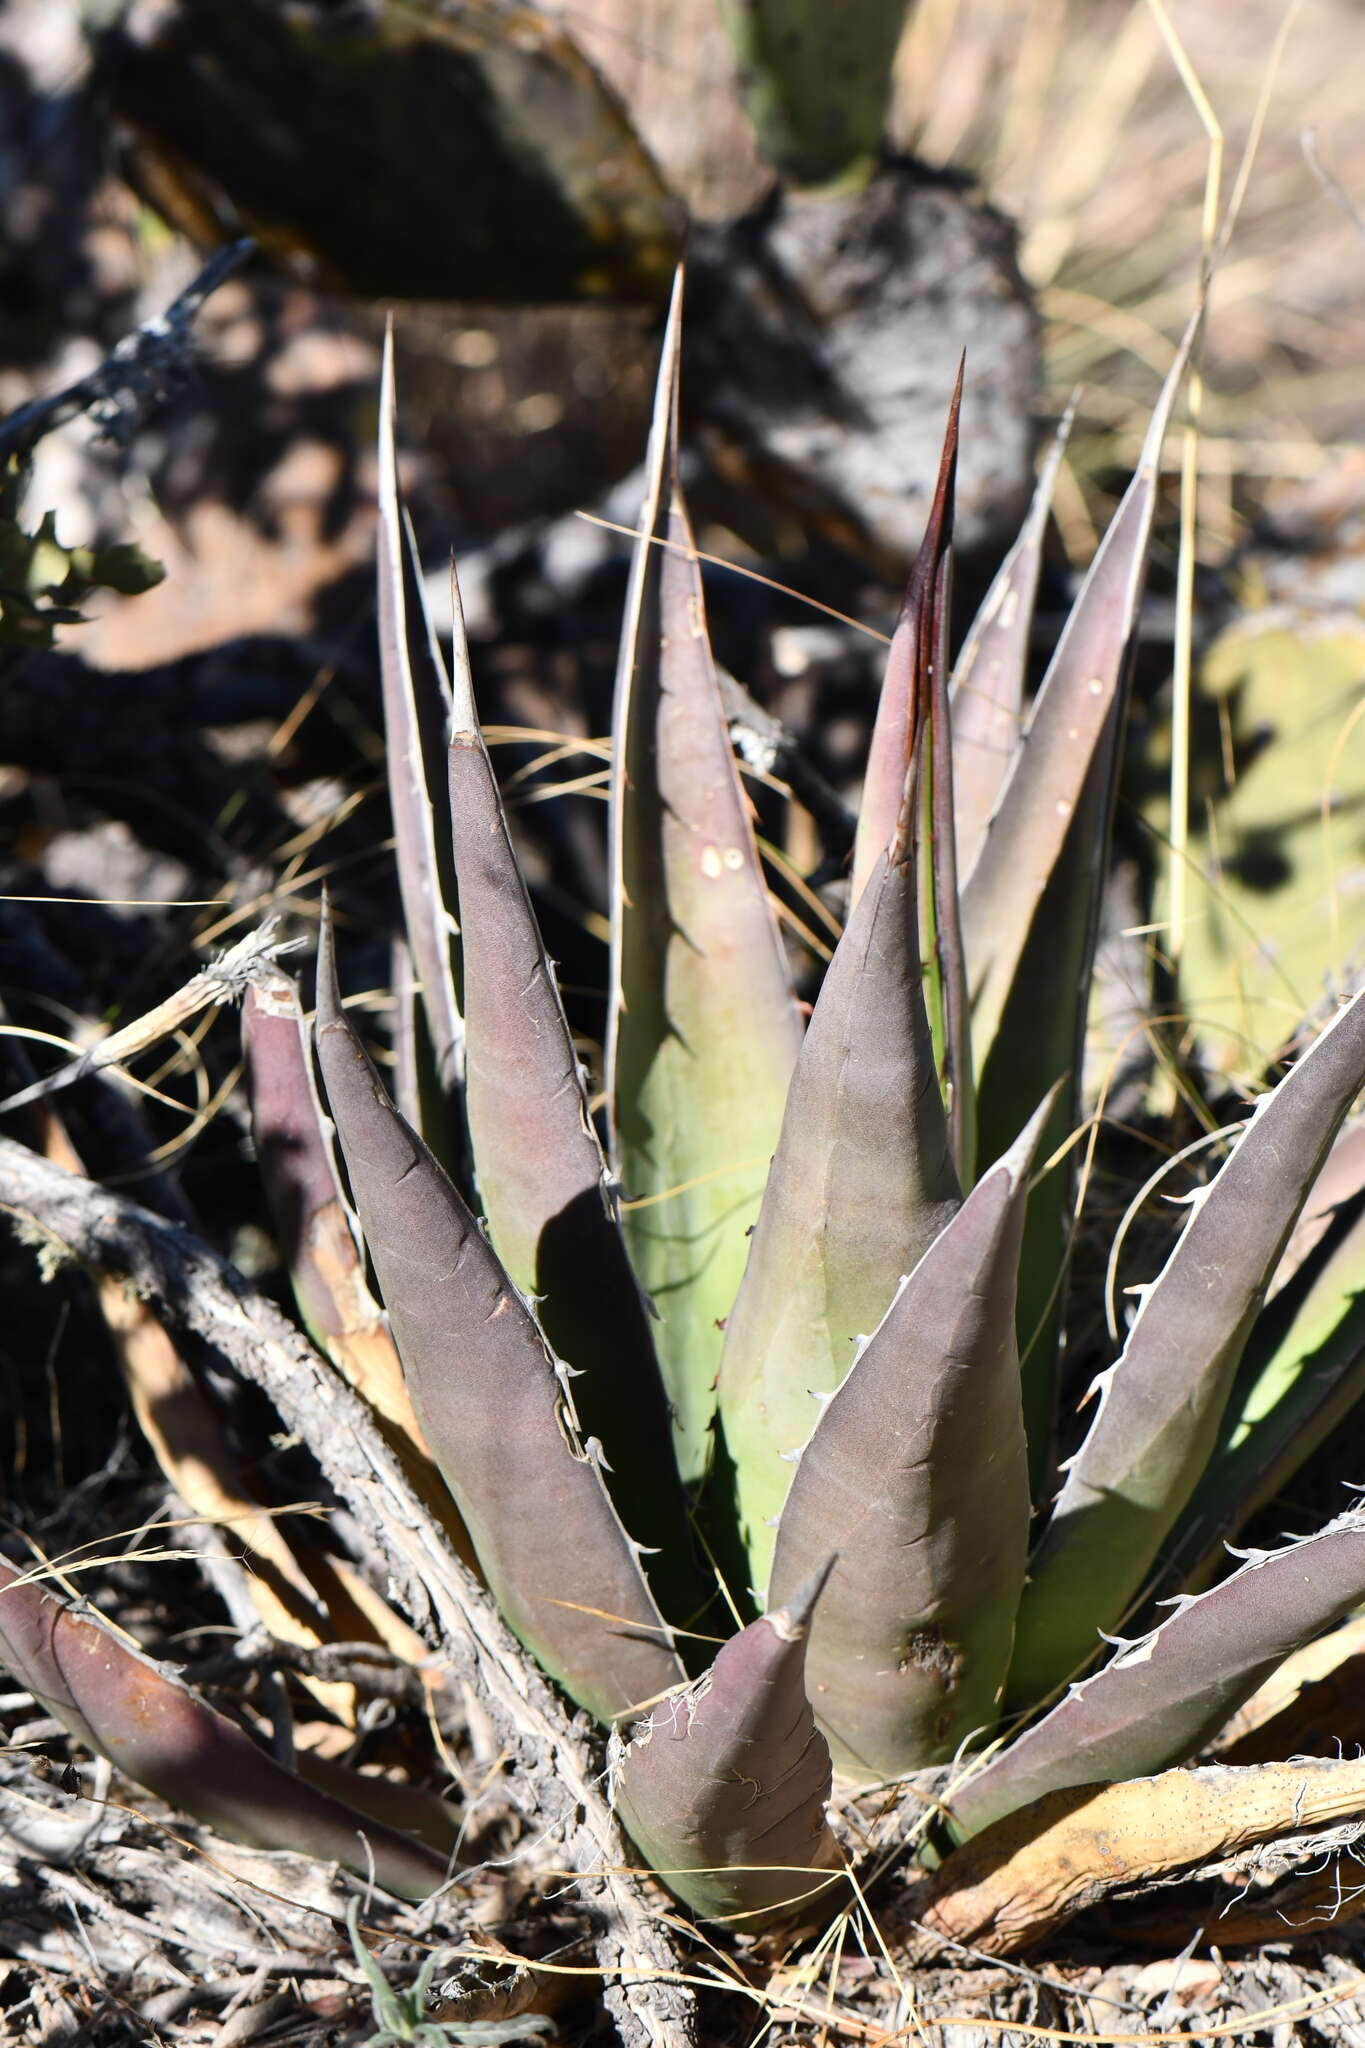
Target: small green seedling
{"points": [[399, 2014]]}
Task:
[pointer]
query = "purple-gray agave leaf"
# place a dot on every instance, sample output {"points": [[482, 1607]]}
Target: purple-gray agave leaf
{"points": [[862, 1182], [542, 1180], [130, 1709], [494, 1404], [298, 1172], [991, 670], [1031, 898], [1161, 1698], [723, 1787], [415, 716], [1160, 1405], [916, 1476]]}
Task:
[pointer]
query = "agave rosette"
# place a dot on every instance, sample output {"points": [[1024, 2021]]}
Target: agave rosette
{"points": [[819, 1338]]}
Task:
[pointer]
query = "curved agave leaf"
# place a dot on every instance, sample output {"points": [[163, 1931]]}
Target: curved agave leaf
{"points": [[723, 1787], [1030, 902], [1161, 1404], [542, 1179], [862, 1183], [493, 1404], [130, 1709], [1162, 1698], [1304, 1369], [703, 1029], [416, 718], [917, 1478], [991, 669]]}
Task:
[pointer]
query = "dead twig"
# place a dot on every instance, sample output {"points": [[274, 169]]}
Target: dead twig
{"points": [[372, 1670], [224, 980], [552, 1776], [138, 372]]}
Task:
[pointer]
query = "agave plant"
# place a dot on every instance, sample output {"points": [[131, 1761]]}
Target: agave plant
{"points": [[792, 1322]]}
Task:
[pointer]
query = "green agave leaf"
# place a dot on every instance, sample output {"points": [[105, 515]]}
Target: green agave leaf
{"points": [[723, 1788], [1030, 903], [862, 1184], [494, 1405], [1161, 1404], [128, 1708], [416, 720], [542, 1179], [991, 670], [704, 1029], [916, 1477], [1303, 1372], [1162, 1698]]}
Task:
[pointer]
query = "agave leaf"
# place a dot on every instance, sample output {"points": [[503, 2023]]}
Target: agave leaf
{"points": [[945, 964], [991, 669], [493, 1403], [1161, 1404], [903, 705], [703, 1029], [1304, 1369], [1030, 902], [411, 1809], [1075, 723], [723, 1787], [1311, 1705], [862, 1183], [917, 1478], [407, 1079], [1162, 1698], [416, 715], [297, 1169], [317, 1234], [161, 1735], [1333, 1199], [542, 1179]]}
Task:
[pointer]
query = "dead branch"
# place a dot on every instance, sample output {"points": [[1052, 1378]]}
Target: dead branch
{"points": [[552, 1776], [136, 374]]}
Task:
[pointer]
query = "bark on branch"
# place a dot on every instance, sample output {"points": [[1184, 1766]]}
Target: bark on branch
{"points": [[553, 1776]]}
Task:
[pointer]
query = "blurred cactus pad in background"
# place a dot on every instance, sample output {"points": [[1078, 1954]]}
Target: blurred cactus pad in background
{"points": [[827, 1415]]}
